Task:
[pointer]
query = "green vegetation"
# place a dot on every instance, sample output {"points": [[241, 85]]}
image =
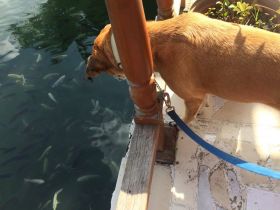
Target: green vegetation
{"points": [[247, 14]]}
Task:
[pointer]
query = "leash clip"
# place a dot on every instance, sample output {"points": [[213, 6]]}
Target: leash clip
{"points": [[166, 98], [167, 101]]}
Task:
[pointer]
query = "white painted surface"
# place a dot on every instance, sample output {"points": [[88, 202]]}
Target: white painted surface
{"points": [[118, 184], [204, 180], [160, 196], [262, 200], [200, 180]]}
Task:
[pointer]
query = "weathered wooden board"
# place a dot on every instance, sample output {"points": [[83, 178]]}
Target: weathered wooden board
{"points": [[136, 182]]}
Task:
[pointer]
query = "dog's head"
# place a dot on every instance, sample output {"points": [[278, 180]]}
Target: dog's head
{"points": [[102, 58]]}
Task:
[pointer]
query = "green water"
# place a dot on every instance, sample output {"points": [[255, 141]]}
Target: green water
{"points": [[66, 135]]}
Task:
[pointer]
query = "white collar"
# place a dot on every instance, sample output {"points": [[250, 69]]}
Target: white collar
{"points": [[115, 51]]}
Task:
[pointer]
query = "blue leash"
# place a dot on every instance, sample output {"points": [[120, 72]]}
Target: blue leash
{"points": [[221, 154]]}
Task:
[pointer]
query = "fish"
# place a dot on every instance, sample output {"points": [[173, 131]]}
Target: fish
{"points": [[7, 84], [66, 121], [71, 125], [94, 102], [111, 126], [34, 181], [86, 177], [14, 159], [5, 176], [74, 80], [96, 107], [59, 81], [69, 87], [58, 58], [50, 75], [31, 125], [15, 76], [46, 204], [8, 96], [52, 97], [24, 123], [6, 150], [108, 114], [97, 132], [28, 147], [55, 200], [39, 58], [47, 107], [113, 167], [80, 65], [45, 165], [18, 114], [18, 78], [11, 203], [45, 152]]}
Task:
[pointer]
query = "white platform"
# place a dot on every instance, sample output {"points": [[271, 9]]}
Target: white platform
{"points": [[200, 181]]}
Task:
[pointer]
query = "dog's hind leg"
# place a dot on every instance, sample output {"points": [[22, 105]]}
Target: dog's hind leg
{"points": [[192, 107]]}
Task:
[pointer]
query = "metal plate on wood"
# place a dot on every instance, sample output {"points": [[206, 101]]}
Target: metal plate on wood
{"points": [[167, 155]]}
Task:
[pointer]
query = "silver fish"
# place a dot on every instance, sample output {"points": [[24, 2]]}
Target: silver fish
{"points": [[39, 58], [50, 75], [97, 132], [45, 165], [71, 125], [24, 123], [52, 97], [80, 65], [19, 114], [5, 176], [34, 181], [46, 204], [15, 76], [59, 81], [113, 167], [18, 77], [94, 102], [46, 151], [69, 87], [58, 58], [47, 107], [111, 126], [86, 177], [96, 107], [55, 200], [75, 81], [14, 159]]}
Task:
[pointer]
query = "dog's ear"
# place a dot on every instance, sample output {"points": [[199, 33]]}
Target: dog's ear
{"points": [[102, 59], [98, 62], [106, 28]]}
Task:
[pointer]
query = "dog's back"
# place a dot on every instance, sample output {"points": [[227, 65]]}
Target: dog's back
{"points": [[229, 60]]}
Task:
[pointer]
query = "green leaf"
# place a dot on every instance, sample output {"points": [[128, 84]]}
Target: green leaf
{"points": [[240, 6]]}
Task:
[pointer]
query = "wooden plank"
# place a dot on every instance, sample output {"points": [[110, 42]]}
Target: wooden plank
{"points": [[135, 189]]}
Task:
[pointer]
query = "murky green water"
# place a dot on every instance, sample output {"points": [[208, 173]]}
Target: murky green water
{"points": [[57, 130]]}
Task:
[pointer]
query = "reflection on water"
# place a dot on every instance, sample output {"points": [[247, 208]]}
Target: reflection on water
{"points": [[61, 137]]}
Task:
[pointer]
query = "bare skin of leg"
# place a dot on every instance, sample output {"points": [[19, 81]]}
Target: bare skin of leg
{"points": [[192, 107]]}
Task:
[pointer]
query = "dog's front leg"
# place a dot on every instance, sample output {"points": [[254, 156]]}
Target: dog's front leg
{"points": [[192, 107]]}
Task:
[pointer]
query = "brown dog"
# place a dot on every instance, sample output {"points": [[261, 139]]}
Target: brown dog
{"points": [[196, 55]]}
